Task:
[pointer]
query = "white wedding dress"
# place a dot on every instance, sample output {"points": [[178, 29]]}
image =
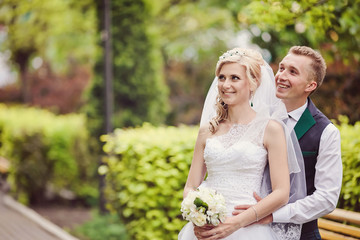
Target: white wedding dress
{"points": [[235, 165]]}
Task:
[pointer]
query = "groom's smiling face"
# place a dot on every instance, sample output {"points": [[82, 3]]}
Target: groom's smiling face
{"points": [[292, 78]]}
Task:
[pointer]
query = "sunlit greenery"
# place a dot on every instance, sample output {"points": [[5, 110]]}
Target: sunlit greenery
{"points": [[101, 227], [164, 54], [146, 173], [139, 89], [173, 46], [350, 148], [47, 153], [59, 31], [331, 26]]}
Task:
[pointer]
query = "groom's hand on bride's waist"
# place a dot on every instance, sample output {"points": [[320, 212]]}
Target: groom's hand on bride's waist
{"points": [[240, 208]]}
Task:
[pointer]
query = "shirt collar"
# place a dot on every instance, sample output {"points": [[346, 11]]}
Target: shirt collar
{"points": [[296, 114]]}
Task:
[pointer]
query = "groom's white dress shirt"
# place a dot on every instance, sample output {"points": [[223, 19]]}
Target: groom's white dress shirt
{"points": [[328, 178]]}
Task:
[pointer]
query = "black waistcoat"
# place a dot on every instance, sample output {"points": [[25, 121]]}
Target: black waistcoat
{"points": [[308, 131]]}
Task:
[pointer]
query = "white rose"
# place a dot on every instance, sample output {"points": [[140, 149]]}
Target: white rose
{"points": [[198, 219], [215, 221]]}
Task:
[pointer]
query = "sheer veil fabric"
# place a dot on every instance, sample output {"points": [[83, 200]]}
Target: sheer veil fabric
{"points": [[267, 104]]}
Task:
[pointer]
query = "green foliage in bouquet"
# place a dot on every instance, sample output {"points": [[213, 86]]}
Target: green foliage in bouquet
{"points": [[146, 173], [200, 204], [350, 151], [46, 152]]}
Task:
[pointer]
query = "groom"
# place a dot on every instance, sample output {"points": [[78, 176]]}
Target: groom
{"points": [[300, 73]]}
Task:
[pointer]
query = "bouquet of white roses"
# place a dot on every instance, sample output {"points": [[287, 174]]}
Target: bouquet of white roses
{"points": [[204, 206]]}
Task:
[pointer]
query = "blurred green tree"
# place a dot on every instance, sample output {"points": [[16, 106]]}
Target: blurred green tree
{"points": [[60, 31], [331, 26], [193, 35], [140, 92]]}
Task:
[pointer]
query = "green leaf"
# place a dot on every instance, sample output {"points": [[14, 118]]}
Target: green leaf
{"points": [[200, 204]]}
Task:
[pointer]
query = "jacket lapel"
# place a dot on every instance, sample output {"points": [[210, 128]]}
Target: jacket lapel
{"points": [[305, 122]]}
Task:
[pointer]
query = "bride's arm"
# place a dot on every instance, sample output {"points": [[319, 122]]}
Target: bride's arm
{"points": [[274, 142], [198, 168]]}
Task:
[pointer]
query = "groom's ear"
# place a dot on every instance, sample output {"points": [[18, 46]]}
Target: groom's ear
{"points": [[310, 87]]}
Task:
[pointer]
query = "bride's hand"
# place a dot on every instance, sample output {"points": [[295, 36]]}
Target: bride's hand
{"points": [[220, 231], [201, 230]]}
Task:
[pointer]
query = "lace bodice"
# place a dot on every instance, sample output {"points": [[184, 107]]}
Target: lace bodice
{"points": [[235, 162]]}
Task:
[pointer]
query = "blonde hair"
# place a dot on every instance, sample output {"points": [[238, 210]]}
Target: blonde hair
{"points": [[252, 61], [318, 64]]}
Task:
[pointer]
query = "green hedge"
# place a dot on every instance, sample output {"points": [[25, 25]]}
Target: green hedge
{"points": [[148, 167], [146, 174], [101, 227], [46, 152], [350, 151]]}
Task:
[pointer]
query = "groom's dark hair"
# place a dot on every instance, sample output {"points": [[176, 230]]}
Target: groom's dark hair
{"points": [[318, 63]]}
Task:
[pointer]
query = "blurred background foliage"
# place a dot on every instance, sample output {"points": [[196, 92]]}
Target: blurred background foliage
{"points": [[164, 54], [51, 32], [50, 157], [146, 171]]}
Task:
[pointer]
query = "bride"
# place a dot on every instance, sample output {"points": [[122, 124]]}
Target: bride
{"points": [[236, 142]]}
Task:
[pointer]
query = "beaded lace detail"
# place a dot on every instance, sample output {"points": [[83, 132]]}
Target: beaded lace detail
{"points": [[287, 231], [236, 132], [235, 162]]}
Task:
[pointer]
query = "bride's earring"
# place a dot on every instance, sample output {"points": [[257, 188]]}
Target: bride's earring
{"points": [[251, 98], [223, 104]]}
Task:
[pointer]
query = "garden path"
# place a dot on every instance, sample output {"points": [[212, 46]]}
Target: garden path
{"points": [[18, 222]]}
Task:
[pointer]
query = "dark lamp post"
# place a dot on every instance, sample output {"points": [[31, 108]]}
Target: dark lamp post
{"points": [[108, 78]]}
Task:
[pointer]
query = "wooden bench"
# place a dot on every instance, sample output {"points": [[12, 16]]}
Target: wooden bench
{"points": [[340, 224], [4, 170]]}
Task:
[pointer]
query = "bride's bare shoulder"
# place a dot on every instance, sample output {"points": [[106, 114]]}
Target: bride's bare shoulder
{"points": [[204, 131], [273, 130], [273, 126]]}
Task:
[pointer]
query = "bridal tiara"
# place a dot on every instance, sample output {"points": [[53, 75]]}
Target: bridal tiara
{"points": [[231, 53]]}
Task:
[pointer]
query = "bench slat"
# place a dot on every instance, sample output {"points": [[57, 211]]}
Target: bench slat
{"points": [[339, 227], [344, 215], [327, 235]]}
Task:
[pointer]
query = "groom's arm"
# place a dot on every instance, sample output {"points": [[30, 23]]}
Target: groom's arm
{"points": [[328, 180]]}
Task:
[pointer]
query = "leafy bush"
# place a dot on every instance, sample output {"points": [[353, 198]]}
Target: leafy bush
{"points": [[46, 152], [102, 227], [146, 173], [350, 151]]}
